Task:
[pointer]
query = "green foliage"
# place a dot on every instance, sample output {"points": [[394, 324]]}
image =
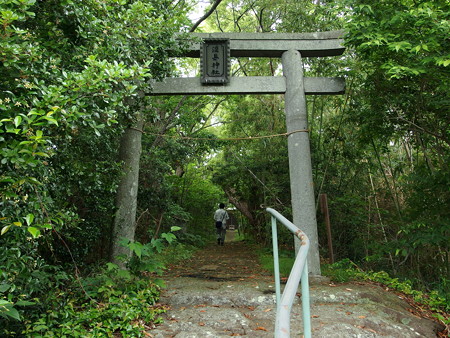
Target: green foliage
{"points": [[253, 172], [112, 302], [175, 188], [402, 48], [342, 271], [428, 229], [145, 256], [25, 278], [198, 196], [46, 99], [402, 109], [53, 88], [349, 216], [109, 301], [397, 31], [72, 75]]}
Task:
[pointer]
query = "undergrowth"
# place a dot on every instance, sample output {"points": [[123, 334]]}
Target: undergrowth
{"points": [[111, 301]]}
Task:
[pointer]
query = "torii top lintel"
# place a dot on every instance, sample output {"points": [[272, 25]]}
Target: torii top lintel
{"points": [[314, 44], [259, 45]]}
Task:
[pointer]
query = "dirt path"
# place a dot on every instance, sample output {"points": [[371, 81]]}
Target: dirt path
{"points": [[223, 291], [234, 261]]}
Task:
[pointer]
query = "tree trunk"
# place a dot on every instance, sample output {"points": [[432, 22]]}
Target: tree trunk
{"points": [[242, 206], [126, 199]]}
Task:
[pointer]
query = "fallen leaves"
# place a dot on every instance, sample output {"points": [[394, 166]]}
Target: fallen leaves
{"points": [[366, 329], [260, 328]]}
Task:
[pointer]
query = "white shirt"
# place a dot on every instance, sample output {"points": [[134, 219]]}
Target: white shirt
{"points": [[221, 216]]}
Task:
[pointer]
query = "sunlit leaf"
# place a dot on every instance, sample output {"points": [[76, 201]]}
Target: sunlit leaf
{"points": [[12, 312], [29, 219], [5, 229], [35, 232], [17, 120]]}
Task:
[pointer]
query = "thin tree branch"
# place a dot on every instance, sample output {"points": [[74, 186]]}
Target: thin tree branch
{"points": [[258, 180], [166, 125], [204, 17], [236, 20], [204, 125], [423, 130], [218, 22], [241, 67]]}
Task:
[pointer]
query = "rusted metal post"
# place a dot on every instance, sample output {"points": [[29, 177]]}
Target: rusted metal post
{"points": [[326, 216]]}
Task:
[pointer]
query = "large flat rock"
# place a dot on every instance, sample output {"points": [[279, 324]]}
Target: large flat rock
{"points": [[211, 308], [223, 291]]}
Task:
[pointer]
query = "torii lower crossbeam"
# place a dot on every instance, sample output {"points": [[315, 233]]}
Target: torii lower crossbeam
{"points": [[247, 85]]}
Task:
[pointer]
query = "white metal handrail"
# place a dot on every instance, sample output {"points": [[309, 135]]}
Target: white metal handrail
{"points": [[299, 272]]}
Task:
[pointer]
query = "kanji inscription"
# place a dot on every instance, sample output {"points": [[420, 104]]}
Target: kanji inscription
{"points": [[215, 60]]}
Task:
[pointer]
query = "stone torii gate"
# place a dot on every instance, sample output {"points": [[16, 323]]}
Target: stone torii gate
{"points": [[291, 47]]}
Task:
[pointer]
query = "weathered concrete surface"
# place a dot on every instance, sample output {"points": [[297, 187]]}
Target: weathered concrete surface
{"points": [[299, 153], [315, 44], [223, 292], [202, 308], [246, 85]]}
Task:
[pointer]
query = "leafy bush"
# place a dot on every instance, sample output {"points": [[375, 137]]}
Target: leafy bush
{"points": [[25, 278], [110, 302], [341, 271]]}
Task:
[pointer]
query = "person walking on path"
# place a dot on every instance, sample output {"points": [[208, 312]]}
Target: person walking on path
{"points": [[221, 216]]}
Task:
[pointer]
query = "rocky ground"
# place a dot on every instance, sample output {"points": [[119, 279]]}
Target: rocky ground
{"points": [[223, 291]]}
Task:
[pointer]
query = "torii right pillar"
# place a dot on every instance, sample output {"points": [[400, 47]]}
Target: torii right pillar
{"points": [[300, 168]]}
